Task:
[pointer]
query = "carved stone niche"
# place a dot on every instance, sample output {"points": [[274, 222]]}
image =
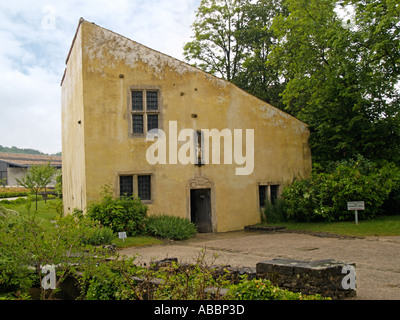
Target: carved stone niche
{"points": [[201, 182]]}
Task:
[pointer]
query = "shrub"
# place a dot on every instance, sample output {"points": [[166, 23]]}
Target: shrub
{"points": [[262, 289], [274, 213], [13, 194], [99, 236], [57, 205], [324, 196], [109, 280], [169, 227], [28, 242], [125, 214]]}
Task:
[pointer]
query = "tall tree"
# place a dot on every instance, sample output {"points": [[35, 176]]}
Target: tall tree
{"points": [[257, 36], [338, 83], [217, 47]]}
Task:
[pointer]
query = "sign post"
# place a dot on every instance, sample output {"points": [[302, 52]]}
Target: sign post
{"points": [[122, 236], [356, 206]]}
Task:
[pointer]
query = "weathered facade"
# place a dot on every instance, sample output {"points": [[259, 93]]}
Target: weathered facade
{"points": [[115, 90]]}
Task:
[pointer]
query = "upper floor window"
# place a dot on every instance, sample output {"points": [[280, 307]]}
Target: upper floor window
{"points": [[145, 111]]}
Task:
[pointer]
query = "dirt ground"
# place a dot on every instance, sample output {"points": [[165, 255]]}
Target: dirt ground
{"points": [[377, 258]]}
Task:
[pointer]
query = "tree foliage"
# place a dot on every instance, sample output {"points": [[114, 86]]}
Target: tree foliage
{"points": [[338, 83], [217, 46], [338, 74], [324, 195], [37, 178]]}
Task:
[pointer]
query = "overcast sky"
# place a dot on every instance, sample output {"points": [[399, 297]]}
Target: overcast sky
{"points": [[35, 37]]}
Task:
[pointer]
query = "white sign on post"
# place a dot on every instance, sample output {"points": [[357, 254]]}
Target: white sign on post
{"points": [[122, 236], [356, 206]]}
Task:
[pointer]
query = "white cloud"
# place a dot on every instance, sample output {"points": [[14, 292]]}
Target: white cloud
{"points": [[35, 37]]}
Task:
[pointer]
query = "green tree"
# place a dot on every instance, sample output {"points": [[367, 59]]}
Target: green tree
{"points": [[217, 47], [37, 178], [255, 75], [340, 80]]}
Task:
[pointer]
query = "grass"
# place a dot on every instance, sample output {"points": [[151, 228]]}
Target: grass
{"points": [[138, 241], [50, 214], [379, 226], [43, 211]]}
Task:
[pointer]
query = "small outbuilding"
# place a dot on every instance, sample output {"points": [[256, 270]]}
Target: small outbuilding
{"points": [[14, 166]]}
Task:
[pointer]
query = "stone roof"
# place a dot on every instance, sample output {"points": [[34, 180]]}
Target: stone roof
{"points": [[27, 160]]}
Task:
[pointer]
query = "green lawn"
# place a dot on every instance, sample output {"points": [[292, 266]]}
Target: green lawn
{"points": [[138, 241], [379, 226], [43, 211]]}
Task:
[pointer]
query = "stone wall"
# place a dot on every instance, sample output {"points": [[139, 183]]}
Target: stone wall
{"points": [[325, 277]]}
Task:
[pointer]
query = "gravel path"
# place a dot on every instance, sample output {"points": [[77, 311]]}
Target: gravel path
{"points": [[377, 258]]}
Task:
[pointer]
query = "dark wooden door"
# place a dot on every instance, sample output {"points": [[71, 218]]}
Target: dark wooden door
{"points": [[200, 204]]}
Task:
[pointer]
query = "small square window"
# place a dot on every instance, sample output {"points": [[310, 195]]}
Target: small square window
{"points": [[137, 124], [144, 187], [268, 193]]}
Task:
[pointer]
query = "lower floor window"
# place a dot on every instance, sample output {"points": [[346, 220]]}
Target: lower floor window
{"points": [[135, 184], [267, 193]]}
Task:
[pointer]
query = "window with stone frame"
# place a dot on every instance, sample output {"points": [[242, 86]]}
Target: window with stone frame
{"points": [[268, 193], [145, 111], [136, 184]]}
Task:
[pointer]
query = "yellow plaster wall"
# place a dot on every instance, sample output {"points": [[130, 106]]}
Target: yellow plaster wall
{"points": [[281, 141], [73, 156]]}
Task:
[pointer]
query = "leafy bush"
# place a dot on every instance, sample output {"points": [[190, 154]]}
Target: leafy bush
{"points": [[324, 196], [125, 214], [118, 280], [109, 280], [13, 194], [262, 289], [99, 236], [28, 242], [169, 227], [13, 202], [274, 213]]}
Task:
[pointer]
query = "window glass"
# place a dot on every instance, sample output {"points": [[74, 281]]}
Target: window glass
{"points": [[137, 123], [144, 186], [262, 193], [274, 193], [137, 100], [152, 100], [126, 185], [152, 122]]}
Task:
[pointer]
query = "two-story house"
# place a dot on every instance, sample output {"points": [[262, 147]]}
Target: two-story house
{"points": [[186, 142]]}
